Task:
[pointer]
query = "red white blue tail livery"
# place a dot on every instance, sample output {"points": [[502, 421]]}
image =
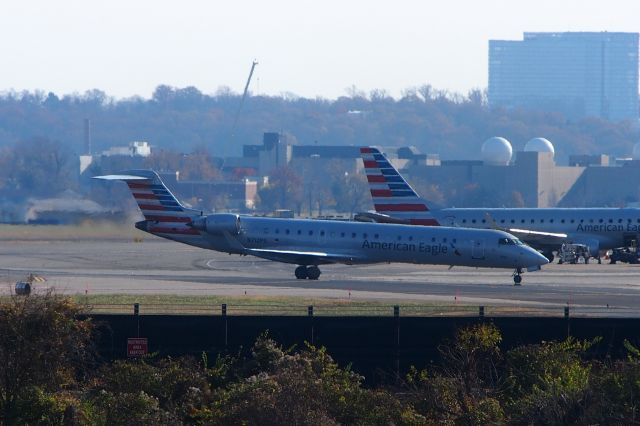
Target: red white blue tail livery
{"points": [[392, 195], [164, 215]]}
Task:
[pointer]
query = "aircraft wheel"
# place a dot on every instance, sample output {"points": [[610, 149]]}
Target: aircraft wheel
{"points": [[517, 280], [313, 272], [301, 272]]}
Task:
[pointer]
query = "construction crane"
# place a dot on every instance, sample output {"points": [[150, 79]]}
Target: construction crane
{"points": [[244, 95]]}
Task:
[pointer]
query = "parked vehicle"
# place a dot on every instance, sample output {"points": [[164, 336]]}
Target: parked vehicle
{"points": [[574, 253]]}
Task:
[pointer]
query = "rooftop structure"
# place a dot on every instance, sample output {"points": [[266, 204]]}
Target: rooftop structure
{"points": [[496, 151]]}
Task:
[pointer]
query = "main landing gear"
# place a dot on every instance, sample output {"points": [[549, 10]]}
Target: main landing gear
{"points": [[304, 272], [517, 277]]}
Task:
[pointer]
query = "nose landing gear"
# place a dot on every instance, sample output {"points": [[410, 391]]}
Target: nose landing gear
{"points": [[517, 277], [304, 272]]}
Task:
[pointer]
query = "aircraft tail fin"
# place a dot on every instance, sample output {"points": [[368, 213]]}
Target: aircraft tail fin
{"points": [[391, 194], [164, 214]]}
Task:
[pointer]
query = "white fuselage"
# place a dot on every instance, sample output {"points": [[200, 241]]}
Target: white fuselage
{"points": [[600, 228], [356, 242]]}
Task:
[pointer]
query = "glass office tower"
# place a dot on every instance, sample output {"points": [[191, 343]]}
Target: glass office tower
{"points": [[578, 73]]}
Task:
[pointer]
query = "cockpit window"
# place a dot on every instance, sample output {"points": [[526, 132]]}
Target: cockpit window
{"points": [[510, 242]]}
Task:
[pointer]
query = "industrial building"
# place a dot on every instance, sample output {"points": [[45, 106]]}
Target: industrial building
{"points": [[531, 178], [580, 74], [500, 178]]}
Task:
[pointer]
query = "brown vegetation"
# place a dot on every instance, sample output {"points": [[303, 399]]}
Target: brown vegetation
{"points": [[45, 379]]}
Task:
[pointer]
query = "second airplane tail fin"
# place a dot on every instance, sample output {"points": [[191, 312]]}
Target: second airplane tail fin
{"points": [[391, 194]]}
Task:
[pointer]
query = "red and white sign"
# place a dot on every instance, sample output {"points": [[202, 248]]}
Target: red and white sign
{"points": [[137, 346]]}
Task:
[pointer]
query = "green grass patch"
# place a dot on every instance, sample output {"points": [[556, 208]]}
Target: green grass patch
{"points": [[260, 305]]}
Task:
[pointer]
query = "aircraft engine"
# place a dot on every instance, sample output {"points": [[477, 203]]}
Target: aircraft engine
{"points": [[218, 223]]}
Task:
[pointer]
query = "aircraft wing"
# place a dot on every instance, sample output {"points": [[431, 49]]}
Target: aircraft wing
{"points": [[538, 238], [533, 238], [304, 257]]}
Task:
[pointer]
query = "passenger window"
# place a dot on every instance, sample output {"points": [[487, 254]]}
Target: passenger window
{"points": [[299, 232], [433, 240], [454, 240], [561, 220], [541, 220], [277, 231], [464, 220], [600, 220], [522, 221], [322, 233], [581, 220], [266, 230], [484, 220], [399, 237], [375, 236], [532, 220], [286, 231], [473, 221], [513, 221], [444, 240], [501, 220], [572, 220], [310, 232], [619, 220], [551, 221], [353, 235], [610, 220], [410, 238], [342, 234], [590, 220], [364, 235]]}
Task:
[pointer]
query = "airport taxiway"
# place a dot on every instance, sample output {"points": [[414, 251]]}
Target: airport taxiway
{"points": [[155, 266]]}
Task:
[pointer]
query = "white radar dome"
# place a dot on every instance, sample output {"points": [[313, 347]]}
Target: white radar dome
{"points": [[539, 145], [496, 151], [636, 151]]}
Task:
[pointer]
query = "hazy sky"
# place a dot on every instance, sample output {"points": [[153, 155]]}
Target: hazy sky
{"points": [[309, 48]]}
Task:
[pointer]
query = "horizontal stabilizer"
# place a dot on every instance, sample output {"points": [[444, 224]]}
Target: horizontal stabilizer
{"points": [[378, 218], [120, 177]]}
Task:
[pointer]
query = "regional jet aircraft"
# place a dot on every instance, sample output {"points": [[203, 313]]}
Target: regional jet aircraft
{"points": [[310, 243], [543, 228]]}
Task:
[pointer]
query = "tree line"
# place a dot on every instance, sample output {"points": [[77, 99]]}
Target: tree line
{"points": [[50, 375], [185, 119]]}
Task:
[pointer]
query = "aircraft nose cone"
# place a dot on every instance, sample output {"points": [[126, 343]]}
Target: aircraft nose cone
{"points": [[535, 258]]}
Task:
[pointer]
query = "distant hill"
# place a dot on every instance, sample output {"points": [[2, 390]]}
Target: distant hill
{"points": [[185, 119]]}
